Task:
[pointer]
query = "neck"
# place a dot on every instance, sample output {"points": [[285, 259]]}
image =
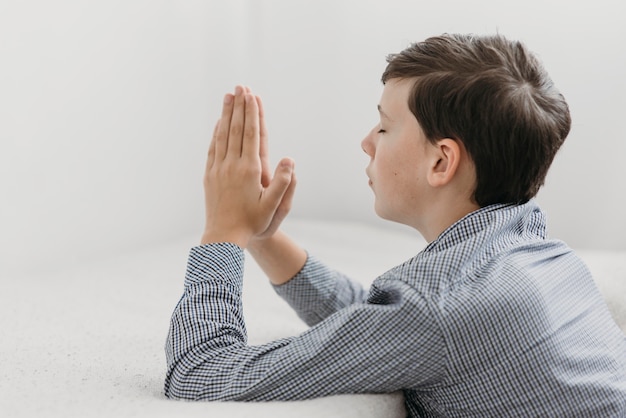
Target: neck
{"points": [[442, 216]]}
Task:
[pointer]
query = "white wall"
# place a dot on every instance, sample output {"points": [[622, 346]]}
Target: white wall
{"points": [[106, 108]]}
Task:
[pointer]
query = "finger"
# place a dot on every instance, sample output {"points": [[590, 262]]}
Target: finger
{"points": [[250, 145], [285, 204], [283, 209], [237, 121], [211, 155], [273, 194], [266, 174], [221, 137]]}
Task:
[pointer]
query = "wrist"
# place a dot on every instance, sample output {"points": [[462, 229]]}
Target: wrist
{"points": [[258, 244], [234, 237], [279, 256]]}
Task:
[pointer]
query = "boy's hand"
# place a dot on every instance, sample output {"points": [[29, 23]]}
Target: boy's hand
{"points": [[266, 176], [242, 201]]}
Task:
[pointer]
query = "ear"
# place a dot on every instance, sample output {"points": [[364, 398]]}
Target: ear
{"points": [[445, 160]]}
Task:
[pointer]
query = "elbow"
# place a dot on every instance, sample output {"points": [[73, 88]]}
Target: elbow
{"points": [[179, 380], [195, 374], [179, 386], [188, 384]]}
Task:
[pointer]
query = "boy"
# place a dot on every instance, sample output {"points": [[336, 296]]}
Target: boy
{"points": [[490, 319]]}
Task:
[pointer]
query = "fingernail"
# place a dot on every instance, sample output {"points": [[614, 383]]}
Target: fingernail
{"points": [[238, 90], [228, 99]]}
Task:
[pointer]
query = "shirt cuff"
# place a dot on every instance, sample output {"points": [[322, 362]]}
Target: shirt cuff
{"points": [[217, 262], [311, 278]]}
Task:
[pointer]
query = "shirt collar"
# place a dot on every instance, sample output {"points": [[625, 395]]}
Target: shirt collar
{"points": [[498, 220]]}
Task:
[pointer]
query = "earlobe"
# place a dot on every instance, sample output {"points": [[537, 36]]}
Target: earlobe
{"points": [[445, 162]]}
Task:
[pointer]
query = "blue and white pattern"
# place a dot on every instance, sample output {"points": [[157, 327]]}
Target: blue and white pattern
{"points": [[490, 320]]}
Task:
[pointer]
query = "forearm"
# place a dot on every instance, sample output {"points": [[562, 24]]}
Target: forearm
{"points": [[209, 317], [279, 257], [317, 291], [365, 348]]}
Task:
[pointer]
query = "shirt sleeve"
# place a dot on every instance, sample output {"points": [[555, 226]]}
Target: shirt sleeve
{"points": [[385, 344], [317, 292]]}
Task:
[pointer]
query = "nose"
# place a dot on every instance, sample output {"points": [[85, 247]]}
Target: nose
{"points": [[367, 144]]}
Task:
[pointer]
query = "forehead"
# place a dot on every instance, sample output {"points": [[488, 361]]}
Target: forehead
{"points": [[395, 97]]}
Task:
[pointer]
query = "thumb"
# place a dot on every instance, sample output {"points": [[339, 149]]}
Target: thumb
{"points": [[280, 183]]}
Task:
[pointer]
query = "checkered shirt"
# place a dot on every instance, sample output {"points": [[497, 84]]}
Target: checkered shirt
{"points": [[491, 319]]}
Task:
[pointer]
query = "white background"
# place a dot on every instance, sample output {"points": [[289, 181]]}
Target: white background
{"points": [[106, 108]]}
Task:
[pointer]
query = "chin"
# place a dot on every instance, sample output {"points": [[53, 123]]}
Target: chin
{"points": [[389, 215], [383, 214]]}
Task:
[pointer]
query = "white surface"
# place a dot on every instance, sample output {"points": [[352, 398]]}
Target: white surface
{"points": [[88, 342]]}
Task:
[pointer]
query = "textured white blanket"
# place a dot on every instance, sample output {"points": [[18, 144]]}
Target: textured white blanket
{"points": [[88, 341]]}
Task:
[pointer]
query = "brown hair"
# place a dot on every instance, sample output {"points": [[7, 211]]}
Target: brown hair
{"points": [[493, 95]]}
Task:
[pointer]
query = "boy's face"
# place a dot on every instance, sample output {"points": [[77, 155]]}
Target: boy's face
{"points": [[400, 156]]}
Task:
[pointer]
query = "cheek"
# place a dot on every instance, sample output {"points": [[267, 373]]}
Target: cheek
{"points": [[384, 157], [403, 173]]}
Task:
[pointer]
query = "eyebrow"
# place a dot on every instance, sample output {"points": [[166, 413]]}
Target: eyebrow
{"points": [[382, 113]]}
